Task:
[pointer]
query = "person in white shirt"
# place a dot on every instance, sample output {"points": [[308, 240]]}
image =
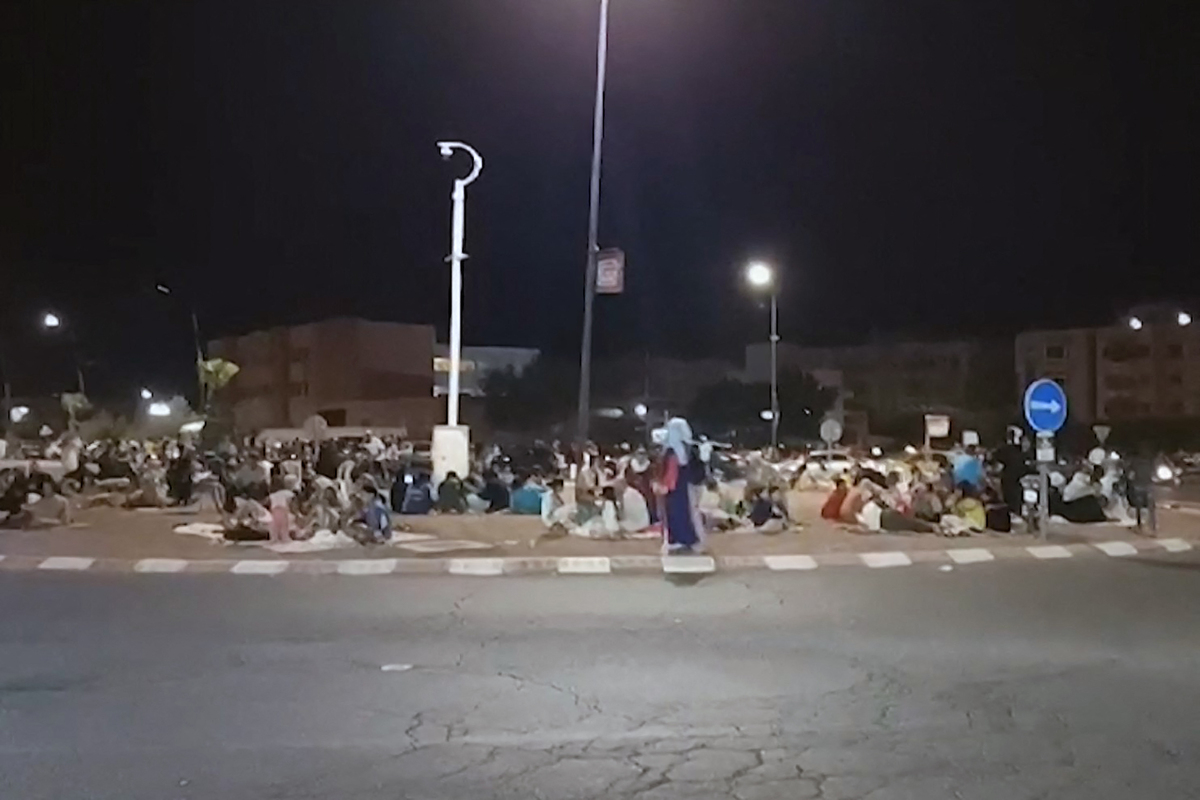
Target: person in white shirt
{"points": [[635, 514]]}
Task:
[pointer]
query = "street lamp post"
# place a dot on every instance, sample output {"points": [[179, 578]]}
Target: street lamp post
{"points": [[53, 322], [163, 289], [451, 445], [761, 276], [593, 246]]}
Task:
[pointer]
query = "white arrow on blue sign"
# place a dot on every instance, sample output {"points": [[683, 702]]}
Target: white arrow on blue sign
{"points": [[1045, 406]]}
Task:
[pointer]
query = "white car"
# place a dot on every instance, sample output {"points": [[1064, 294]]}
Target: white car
{"points": [[828, 463]]}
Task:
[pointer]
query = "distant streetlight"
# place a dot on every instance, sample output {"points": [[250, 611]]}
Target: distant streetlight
{"points": [[762, 277], [1135, 323], [640, 411], [1184, 319], [53, 322], [18, 413], [147, 394], [159, 410], [767, 414]]}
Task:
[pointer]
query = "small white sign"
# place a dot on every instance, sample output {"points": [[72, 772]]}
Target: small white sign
{"points": [[937, 426]]}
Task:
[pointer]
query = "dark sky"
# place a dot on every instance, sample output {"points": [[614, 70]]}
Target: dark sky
{"points": [[919, 168]]}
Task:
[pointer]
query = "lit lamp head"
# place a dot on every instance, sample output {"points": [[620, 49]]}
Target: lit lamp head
{"points": [[759, 275], [1135, 323], [1184, 319], [50, 320]]}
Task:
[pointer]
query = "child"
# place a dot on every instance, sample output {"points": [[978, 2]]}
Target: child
{"points": [[279, 501]]}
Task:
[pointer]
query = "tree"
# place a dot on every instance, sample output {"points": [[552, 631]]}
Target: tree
{"points": [[730, 406], [75, 404], [540, 396], [215, 375]]}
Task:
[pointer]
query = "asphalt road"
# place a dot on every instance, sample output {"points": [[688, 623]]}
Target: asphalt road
{"points": [[1070, 680]]}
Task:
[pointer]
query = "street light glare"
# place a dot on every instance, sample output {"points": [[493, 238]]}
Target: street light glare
{"points": [[159, 410], [759, 274], [163, 288], [51, 320], [1184, 318], [1135, 323], [147, 394], [640, 410], [18, 413]]}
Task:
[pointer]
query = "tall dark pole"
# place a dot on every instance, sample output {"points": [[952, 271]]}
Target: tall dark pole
{"points": [[775, 371], [589, 290]]}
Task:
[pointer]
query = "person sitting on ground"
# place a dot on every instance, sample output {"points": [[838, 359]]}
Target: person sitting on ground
{"points": [[417, 496], [926, 503], [452, 498], [1078, 501], [764, 511], [375, 517], [280, 504], [527, 497], [634, 515], [494, 493], [967, 506], [997, 514], [832, 507], [556, 512]]}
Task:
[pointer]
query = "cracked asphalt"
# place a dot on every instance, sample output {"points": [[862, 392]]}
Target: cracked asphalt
{"points": [[1001, 681]]}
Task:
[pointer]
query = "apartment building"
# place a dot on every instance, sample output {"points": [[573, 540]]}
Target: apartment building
{"points": [[352, 372], [1147, 366]]}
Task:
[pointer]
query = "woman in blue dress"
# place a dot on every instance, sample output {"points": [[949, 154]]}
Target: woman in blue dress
{"points": [[673, 487]]}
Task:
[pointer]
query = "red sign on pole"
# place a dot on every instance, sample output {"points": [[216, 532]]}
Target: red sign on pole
{"points": [[610, 271]]}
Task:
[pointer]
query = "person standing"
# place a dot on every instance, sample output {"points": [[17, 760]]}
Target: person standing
{"points": [[674, 489]]}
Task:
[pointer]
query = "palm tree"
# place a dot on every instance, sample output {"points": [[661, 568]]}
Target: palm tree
{"points": [[74, 403]]}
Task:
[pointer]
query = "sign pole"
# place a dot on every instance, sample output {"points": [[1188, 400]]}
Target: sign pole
{"points": [[1045, 406]]}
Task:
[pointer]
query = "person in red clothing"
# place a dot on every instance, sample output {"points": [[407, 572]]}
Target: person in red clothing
{"points": [[833, 504]]}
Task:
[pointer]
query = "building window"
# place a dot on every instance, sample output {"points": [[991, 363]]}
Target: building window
{"points": [[441, 364], [1056, 352], [336, 417], [1175, 350]]}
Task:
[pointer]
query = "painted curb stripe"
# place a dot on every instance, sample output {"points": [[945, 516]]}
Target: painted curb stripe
{"points": [[160, 565], [67, 562], [688, 565], [251, 567], [382, 566], [884, 560], [1049, 551], [599, 565], [1116, 549], [1174, 545], [787, 563], [970, 555], [476, 566]]}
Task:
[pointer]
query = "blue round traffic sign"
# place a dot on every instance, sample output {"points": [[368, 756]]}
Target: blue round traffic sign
{"points": [[1045, 406]]}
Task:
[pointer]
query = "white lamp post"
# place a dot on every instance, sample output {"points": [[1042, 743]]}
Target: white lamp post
{"points": [[451, 442], [761, 276]]}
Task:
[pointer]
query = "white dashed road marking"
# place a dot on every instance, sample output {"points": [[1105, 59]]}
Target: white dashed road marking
{"points": [[970, 555], [381, 566], [881, 560], [250, 567], [1174, 545], [476, 566], [1117, 548], [160, 565], [1049, 551], [782, 563], [67, 562], [599, 565]]}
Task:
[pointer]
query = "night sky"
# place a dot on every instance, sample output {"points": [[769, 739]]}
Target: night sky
{"points": [[915, 169]]}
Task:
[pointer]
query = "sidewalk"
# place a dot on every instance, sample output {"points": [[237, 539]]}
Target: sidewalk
{"points": [[122, 537]]}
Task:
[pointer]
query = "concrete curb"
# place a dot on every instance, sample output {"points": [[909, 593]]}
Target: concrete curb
{"points": [[589, 565]]}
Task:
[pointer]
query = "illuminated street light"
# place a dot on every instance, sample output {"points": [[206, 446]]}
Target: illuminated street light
{"points": [[640, 411], [159, 410], [762, 276], [51, 320], [767, 414], [18, 413], [1184, 319], [147, 394], [1135, 323]]}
